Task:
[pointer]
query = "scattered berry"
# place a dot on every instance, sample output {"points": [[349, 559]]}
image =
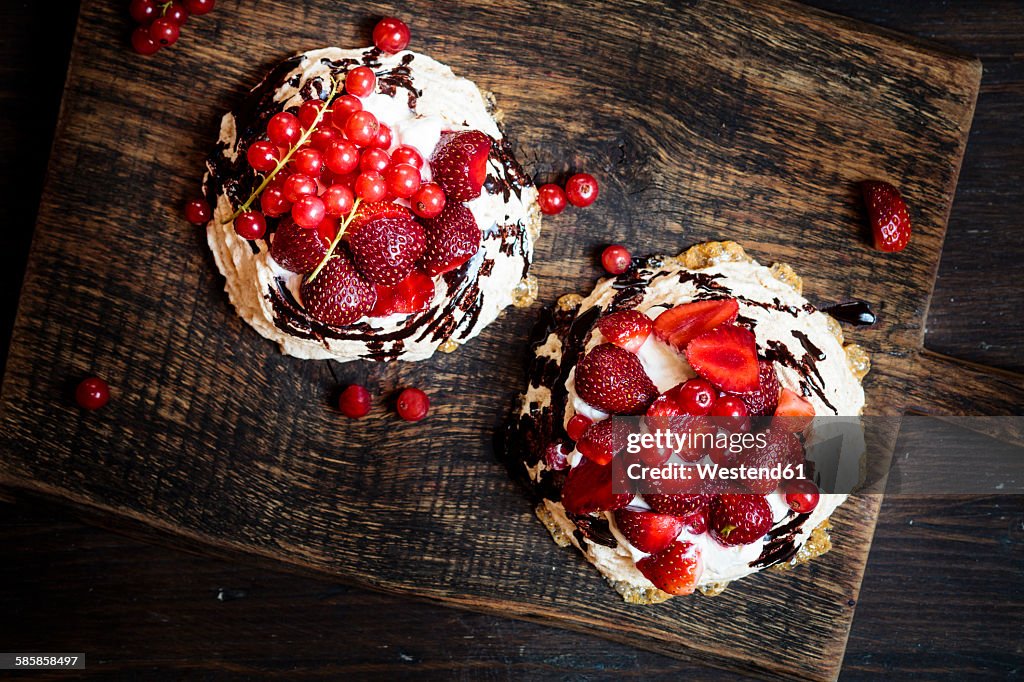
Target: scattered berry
{"points": [[577, 424], [296, 248], [197, 212], [612, 380], [354, 401], [385, 250], [308, 211], [250, 225], [627, 329], [603, 440], [371, 186], [92, 393], [428, 201], [727, 357], [680, 324], [781, 448], [887, 212], [581, 190], [696, 397], [551, 199], [802, 495], [452, 239], [616, 259], [360, 81], [413, 404], [676, 569], [459, 164], [588, 488], [648, 531], [339, 295], [739, 519], [391, 35]]}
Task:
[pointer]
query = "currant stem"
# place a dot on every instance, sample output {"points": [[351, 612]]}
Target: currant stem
{"points": [[287, 157], [336, 241]]}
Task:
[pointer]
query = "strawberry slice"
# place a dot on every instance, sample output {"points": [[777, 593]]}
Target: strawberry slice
{"points": [[627, 329], [459, 164], [613, 380], [452, 239], [798, 412], [727, 357], [675, 569], [887, 213], [762, 401], [297, 249], [412, 295], [339, 295], [647, 531], [588, 488], [601, 441], [679, 325]]}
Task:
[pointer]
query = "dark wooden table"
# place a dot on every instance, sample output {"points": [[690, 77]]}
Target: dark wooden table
{"points": [[944, 590]]}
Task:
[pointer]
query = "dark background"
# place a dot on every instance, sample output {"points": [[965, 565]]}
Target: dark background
{"points": [[943, 595]]}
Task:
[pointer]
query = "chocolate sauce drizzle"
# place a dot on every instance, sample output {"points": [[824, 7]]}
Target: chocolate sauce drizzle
{"points": [[856, 313], [780, 542]]}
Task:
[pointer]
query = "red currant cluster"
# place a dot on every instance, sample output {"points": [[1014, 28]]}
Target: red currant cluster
{"points": [[160, 22], [580, 190]]}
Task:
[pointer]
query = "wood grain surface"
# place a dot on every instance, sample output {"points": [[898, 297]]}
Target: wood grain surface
{"points": [[145, 474]]}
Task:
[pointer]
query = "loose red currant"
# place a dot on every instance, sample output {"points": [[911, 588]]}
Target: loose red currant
{"points": [[802, 495], [197, 212], [343, 107], [374, 159], [251, 225], [361, 128], [696, 397], [383, 139], [199, 6], [273, 202], [297, 186], [428, 201], [370, 186], [308, 111], [93, 393], [403, 180], [577, 425], [616, 259], [409, 155], [142, 43], [354, 401], [338, 200], [308, 161], [164, 31], [143, 11], [309, 211], [732, 413], [177, 13], [262, 156], [391, 35], [283, 129], [413, 404], [360, 81], [321, 138], [581, 190], [551, 199], [342, 157]]}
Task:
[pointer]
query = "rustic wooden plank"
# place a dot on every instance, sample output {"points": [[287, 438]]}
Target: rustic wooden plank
{"points": [[712, 130]]}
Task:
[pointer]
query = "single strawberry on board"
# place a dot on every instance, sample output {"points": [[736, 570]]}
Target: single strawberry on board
{"points": [[887, 213]]}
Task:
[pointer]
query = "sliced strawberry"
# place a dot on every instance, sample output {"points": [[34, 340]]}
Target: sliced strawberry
{"points": [[739, 519], [453, 237], [763, 401], [798, 412], [459, 164], [647, 531], [613, 380], [679, 325], [385, 250], [627, 329], [339, 295], [727, 357], [588, 488], [297, 249], [675, 569], [412, 295], [555, 456], [603, 440], [887, 213]]}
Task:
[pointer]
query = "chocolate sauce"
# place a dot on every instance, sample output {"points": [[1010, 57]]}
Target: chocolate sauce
{"points": [[780, 544], [857, 313], [593, 528], [806, 366]]}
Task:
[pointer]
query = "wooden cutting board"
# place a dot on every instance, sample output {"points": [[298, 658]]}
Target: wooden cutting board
{"points": [[703, 120]]}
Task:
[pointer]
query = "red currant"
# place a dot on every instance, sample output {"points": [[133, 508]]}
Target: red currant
{"points": [[143, 11], [163, 31], [343, 107], [370, 186], [360, 81], [342, 157], [308, 161], [577, 425], [93, 393], [551, 199], [581, 190], [801, 495], [273, 202], [616, 259], [383, 139], [262, 156], [428, 201], [297, 186], [338, 200], [361, 128], [354, 401], [403, 180], [308, 211], [283, 129], [413, 404], [142, 43], [374, 159], [733, 413], [251, 225], [696, 397], [409, 155], [308, 111], [321, 138], [177, 13], [197, 212], [391, 35], [199, 6]]}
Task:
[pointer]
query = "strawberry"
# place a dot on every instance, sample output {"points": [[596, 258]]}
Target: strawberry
{"points": [[887, 212], [603, 440], [780, 448], [727, 357], [459, 164], [376, 209], [675, 569], [296, 248], [588, 488], [678, 502], [739, 519], [339, 295], [452, 239], [412, 295], [385, 250], [679, 325], [798, 412], [627, 329], [647, 531], [613, 380], [697, 522], [762, 401]]}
